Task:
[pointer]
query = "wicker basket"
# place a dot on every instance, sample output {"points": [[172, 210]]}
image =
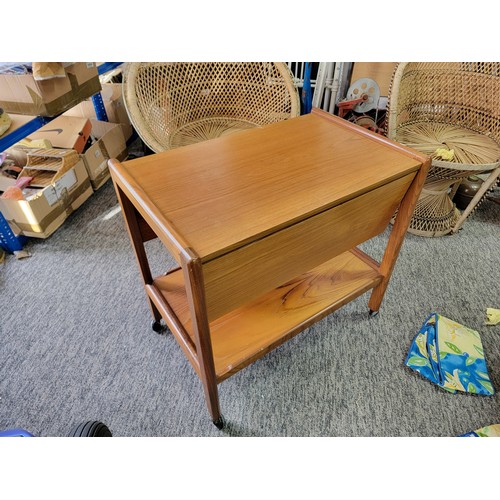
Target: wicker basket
{"points": [[47, 165], [176, 104], [438, 107]]}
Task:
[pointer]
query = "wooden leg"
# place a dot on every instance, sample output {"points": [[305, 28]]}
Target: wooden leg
{"points": [[397, 236], [134, 231], [195, 289], [454, 188], [487, 184]]}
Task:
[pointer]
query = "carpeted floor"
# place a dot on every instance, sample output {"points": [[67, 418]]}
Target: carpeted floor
{"points": [[76, 344]]}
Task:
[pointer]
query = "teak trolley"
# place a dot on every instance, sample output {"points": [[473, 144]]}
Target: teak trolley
{"points": [[264, 224]]}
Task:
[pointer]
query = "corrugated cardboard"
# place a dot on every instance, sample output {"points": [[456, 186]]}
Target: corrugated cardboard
{"points": [[116, 112], [381, 72], [68, 132], [40, 215], [6, 182], [24, 95], [111, 144]]}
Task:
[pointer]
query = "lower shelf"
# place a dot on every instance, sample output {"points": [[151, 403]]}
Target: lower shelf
{"points": [[249, 332]]}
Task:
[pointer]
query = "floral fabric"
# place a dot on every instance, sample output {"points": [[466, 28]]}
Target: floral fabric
{"points": [[451, 356], [488, 431]]}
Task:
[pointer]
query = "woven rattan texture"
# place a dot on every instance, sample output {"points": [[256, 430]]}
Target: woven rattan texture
{"points": [[460, 94], [452, 106], [176, 104]]}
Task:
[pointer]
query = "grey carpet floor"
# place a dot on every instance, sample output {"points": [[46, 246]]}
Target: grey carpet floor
{"points": [[76, 344]]}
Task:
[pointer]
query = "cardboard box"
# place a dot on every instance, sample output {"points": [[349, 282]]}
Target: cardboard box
{"points": [[24, 95], [112, 98], [68, 132], [42, 213], [381, 72], [110, 144]]}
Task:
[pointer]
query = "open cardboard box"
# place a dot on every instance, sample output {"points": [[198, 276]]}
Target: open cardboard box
{"points": [[65, 131], [46, 209], [110, 144], [24, 95], [116, 112]]}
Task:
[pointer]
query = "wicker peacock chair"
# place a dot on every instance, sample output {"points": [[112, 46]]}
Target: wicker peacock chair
{"points": [[450, 111], [175, 104]]}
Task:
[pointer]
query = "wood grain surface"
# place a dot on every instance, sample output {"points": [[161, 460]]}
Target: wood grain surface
{"points": [[264, 225], [249, 332], [249, 271], [221, 194]]}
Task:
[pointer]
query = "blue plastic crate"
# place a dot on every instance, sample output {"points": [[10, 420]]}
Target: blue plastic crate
{"points": [[8, 240]]}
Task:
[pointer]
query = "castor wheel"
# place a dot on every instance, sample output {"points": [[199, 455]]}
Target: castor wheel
{"points": [[92, 428], [219, 423], [372, 314], [157, 326]]}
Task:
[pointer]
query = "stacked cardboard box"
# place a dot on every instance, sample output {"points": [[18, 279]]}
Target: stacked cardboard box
{"points": [[116, 112], [64, 176], [66, 159], [24, 95], [110, 143], [70, 132], [60, 185]]}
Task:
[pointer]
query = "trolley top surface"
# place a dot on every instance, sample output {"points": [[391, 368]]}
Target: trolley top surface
{"points": [[223, 193]]}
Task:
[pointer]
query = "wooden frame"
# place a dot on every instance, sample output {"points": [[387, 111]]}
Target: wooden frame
{"points": [[280, 260]]}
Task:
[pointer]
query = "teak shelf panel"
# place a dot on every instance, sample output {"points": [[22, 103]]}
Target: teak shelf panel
{"points": [[249, 332]]}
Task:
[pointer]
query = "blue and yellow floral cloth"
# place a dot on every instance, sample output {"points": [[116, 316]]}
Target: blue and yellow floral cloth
{"points": [[487, 431], [450, 355]]}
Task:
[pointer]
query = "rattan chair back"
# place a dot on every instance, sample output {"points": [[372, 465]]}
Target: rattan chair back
{"points": [[173, 104], [439, 107]]}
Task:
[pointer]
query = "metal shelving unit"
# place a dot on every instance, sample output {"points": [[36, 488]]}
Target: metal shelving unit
{"points": [[33, 125], [100, 110], [8, 241], [22, 132]]}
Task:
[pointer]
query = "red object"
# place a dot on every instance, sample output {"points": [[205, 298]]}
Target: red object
{"points": [[345, 106], [23, 181]]}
